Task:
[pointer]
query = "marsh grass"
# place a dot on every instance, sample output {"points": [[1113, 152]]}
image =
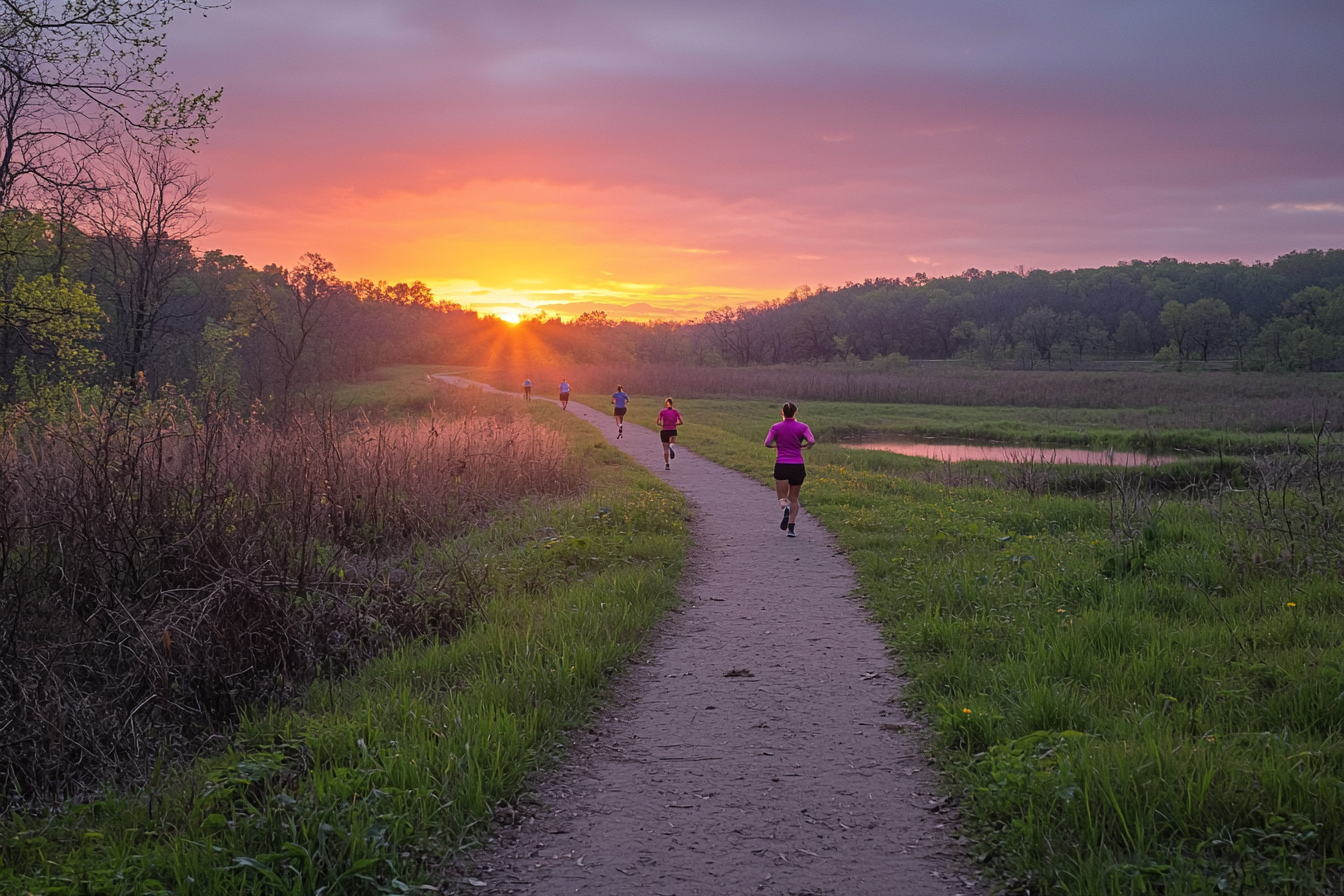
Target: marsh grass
{"points": [[163, 565], [374, 779], [1129, 696]]}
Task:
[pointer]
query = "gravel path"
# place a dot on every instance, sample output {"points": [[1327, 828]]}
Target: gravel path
{"points": [[759, 747]]}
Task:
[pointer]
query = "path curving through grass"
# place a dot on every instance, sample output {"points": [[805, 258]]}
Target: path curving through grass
{"points": [[759, 748]]}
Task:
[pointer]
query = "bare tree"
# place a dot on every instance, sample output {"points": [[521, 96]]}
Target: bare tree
{"points": [[143, 227], [290, 314], [734, 333], [814, 334]]}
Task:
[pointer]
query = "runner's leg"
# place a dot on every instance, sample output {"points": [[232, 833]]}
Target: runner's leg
{"points": [[782, 491]]}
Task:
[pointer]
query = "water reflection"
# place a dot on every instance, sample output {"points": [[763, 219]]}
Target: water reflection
{"points": [[1011, 453]]}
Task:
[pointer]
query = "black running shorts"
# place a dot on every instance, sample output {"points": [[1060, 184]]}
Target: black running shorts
{"points": [[667, 434], [619, 412], [794, 473]]}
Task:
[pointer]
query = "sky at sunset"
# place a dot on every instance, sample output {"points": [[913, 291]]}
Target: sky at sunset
{"points": [[656, 159]]}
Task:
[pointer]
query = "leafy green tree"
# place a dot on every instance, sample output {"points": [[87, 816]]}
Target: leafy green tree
{"points": [[942, 315], [1309, 348], [1041, 328], [1173, 317], [984, 344], [1273, 340], [1308, 334], [1132, 336], [1241, 335], [48, 328], [1208, 322]]}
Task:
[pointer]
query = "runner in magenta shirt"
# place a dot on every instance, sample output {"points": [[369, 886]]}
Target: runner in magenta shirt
{"points": [[668, 420], [789, 437]]}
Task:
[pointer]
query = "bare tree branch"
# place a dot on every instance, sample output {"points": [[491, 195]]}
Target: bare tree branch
{"points": [[76, 75]]}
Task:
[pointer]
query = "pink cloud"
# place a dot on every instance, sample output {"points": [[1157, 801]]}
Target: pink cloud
{"points": [[783, 142]]}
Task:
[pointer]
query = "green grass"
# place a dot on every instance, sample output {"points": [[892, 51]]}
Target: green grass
{"points": [[396, 391], [833, 421], [375, 779], [1124, 705]]}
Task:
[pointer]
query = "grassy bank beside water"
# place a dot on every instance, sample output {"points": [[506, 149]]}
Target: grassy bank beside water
{"points": [[369, 782], [1137, 693], [1155, 403], [1153, 431]]}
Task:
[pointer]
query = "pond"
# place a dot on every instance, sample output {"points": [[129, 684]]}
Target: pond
{"points": [[951, 451]]}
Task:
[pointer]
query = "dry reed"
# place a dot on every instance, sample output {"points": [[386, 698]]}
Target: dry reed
{"points": [[163, 566]]}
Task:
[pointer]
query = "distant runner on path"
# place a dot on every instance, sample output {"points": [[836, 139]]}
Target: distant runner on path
{"points": [[789, 437], [620, 400], [669, 419], [564, 394], [527, 390]]}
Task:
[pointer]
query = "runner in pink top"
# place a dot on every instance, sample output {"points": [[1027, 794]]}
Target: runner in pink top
{"points": [[668, 420], [789, 437]]}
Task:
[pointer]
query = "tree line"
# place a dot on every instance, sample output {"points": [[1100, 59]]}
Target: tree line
{"points": [[138, 307], [1284, 315]]}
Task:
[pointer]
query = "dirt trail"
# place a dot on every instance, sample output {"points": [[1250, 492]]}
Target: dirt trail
{"points": [[759, 747]]}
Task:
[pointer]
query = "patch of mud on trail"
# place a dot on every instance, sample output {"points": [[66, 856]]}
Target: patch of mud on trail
{"points": [[758, 747]]}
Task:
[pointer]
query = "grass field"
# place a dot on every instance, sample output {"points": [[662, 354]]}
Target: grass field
{"points": [[1154, 430], [1137, 693], [1148, 404], [369, 781]]}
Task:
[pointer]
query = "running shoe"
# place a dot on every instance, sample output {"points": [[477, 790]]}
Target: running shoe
{"points": [[784, 523], [673, 452], [667, 466], [791, 535]]}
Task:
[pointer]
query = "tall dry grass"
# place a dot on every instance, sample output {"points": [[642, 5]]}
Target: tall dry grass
{"points": [[163, 566], [1206, 400]]}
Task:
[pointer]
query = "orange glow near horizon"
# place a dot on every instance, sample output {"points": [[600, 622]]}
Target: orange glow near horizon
{"points": [[516, 249], [512, 348]]}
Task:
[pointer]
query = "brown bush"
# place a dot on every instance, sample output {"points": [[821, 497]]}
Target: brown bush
{"points": [[161, 567]]}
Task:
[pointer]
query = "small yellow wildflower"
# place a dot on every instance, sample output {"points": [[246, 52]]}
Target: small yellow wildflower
{"points": [[1291, 604], [967, 711]]}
